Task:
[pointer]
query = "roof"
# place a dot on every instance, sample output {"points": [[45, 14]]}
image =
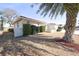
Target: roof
{"points": [[20, 18]]}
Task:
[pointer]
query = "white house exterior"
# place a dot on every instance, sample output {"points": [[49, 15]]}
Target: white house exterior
{"points": [[76, 30], [18, 24], [51, 27]]}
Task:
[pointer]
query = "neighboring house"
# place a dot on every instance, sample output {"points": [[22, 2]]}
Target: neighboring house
{"points": [[51, 27], [77, 28], [18, 24]]}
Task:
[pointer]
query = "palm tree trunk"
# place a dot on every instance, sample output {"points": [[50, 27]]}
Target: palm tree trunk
{"points": [[70, 26]]}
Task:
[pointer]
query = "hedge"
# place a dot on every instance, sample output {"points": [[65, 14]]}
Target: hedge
{"points": [[26, 29], [59, 29], [31, 29], [34, 29], [10, 30], [42, 28]]}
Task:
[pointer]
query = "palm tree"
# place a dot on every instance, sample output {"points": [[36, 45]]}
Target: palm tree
{"points": [[53, 9]]}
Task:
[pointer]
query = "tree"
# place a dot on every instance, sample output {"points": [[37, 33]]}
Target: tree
{"points": [[2, 19], [53, 9], [9, 15]]}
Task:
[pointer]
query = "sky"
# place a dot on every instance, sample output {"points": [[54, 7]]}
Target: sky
{"points": [[25, 9]]}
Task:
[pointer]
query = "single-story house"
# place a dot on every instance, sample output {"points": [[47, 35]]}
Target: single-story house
{"points": [[25, 20], [18, 24], [51, 27], [77, 28]]}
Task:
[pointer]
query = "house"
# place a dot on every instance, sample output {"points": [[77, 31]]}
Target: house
{"points": [[25, 20], [51, 27], [77, 28], [18, 24]]}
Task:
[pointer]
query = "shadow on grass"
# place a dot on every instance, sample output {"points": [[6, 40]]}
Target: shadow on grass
{"points": [[35, 48], [56, 41], [38, 40]]}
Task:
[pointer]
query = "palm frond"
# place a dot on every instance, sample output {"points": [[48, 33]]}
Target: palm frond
{"points": [[51, 9], [59, 10], [47, 9], [54, 10], [41, 7]]}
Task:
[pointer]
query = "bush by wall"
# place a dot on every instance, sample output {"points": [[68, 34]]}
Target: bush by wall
{"points": [[59, 29], [42, 28], [27, 29], [34, 29], [38, 29], [10, 30]]}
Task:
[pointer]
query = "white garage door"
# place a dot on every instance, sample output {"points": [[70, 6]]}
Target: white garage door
{"points": [[18, 31]]}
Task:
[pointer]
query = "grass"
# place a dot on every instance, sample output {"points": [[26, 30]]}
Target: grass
{"points": [[42, 44]]}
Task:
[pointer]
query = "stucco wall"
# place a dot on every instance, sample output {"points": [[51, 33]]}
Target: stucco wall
{"points": [[51, 27]]}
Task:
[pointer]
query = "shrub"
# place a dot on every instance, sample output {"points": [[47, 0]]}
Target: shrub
{"points": [[37, 29], [59, 29], [42, 28], [10, 30], [31, 29], [34, 31], [26, 29]]}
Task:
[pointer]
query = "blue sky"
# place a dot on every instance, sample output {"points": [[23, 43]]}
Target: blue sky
{"points": [[25, 9]]}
